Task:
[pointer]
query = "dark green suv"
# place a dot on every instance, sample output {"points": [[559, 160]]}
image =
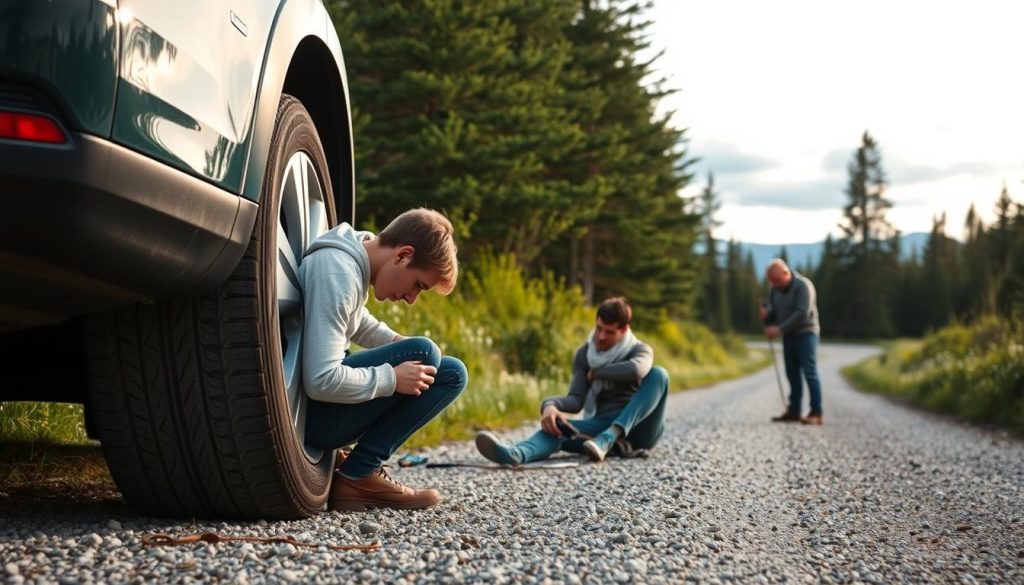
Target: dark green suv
{"points": [[163, 167]]}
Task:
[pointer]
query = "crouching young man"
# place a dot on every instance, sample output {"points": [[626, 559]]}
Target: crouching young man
{"points": [[379, 396], [614, 383]]}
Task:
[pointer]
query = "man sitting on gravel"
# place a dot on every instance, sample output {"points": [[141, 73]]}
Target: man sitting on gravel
{"points": [[622, 396], [380, 396]]}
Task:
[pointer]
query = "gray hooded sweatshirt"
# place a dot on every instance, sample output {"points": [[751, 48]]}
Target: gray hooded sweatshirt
{"points": [[335, 277]]}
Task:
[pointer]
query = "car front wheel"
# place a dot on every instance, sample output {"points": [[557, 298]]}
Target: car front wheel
{"points": [[198, 403]]}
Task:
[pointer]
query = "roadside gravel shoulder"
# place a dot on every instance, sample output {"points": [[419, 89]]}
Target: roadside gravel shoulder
{"points": [[878, 494]]}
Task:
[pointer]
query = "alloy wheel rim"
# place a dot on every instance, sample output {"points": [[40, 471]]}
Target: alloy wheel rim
{"points": [[302, 218]]}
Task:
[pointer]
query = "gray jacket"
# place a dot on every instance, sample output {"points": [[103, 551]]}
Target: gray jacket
{"points": [[626, 376], [794, 309]]}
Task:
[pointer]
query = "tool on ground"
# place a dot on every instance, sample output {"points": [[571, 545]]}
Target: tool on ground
{"points": [[539, 465], [410, 460], [775, 366]]}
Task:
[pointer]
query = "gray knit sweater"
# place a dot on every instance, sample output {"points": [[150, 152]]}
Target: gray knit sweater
{"points": [[626, 376], [794, 309]]}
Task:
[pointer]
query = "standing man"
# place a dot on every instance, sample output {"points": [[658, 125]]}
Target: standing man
{"points": [[792, 312], [379, 396], [614, 382]]}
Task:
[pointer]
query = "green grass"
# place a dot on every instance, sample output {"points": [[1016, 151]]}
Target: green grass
{"points": [[30, 422], [971, 371]]}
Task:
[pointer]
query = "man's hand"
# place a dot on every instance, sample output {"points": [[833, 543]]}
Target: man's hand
{"points": [[398, 337], [549, 420], [590, 375], [412, 378], [762, 312], [772, 332]]}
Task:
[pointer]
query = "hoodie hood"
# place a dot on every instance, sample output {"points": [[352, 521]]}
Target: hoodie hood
{"points": [[350, 241]]}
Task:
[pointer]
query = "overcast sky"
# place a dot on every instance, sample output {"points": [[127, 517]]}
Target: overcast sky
{"points": [[776, 95]]}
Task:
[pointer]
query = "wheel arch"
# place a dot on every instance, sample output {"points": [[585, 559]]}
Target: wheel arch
{"points": [[310, 71], [304, 59]]}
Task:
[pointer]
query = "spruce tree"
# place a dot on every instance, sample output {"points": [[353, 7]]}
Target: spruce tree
{"points": [[459, 106], [977, 288], [712, 305], [640, 240], [868, 258], [939, 268], [743, 292]]}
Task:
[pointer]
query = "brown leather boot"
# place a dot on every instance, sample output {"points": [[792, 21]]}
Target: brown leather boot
{"points": [[788, 416], [813, 418], [378, 490]]}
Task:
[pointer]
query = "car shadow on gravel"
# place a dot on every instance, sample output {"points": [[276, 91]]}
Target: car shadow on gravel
{"points": [[56, 480]]}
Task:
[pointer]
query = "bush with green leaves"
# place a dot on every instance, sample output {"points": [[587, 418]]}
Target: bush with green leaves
{"points": [[975, 371]]}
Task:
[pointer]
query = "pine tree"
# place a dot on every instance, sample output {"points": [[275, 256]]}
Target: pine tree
{"points": [[1010, 295], [459, 106], [939, 268], [742, 289], [977, 288], [865, 225], [867, 255], [825, 277], [1000, 236], [640, 241], [712, 304]]}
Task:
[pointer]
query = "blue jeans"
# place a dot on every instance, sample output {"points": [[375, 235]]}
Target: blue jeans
{"points": [[800, 353], [642, 422], [381, 425]]}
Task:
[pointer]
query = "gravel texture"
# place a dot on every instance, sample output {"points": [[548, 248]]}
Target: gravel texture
{"points": [[879, 494]]}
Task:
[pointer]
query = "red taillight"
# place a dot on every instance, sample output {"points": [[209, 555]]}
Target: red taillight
{"points": [[31, 127]]}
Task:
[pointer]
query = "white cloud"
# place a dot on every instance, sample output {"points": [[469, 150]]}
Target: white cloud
{"points": [[796, 82]]}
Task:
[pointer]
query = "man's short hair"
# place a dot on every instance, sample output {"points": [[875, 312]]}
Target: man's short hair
{"points": [[615, 310], [433, 241]]}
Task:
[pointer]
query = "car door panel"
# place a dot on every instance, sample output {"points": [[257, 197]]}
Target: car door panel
{"points": [[187, 87]]}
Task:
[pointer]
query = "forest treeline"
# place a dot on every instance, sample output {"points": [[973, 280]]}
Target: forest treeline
{"points": [[533, 125]]}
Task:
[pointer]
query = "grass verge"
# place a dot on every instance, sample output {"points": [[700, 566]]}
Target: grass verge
{"points": [[971, 371]]}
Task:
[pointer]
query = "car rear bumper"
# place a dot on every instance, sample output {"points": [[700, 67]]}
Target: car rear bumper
{"points": [[91, 225]]}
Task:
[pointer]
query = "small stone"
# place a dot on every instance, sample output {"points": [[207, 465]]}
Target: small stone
{"points": [[113, 524], [12, 569], [93, 539], [620, 577], [367, 575], [369, 528], [621, 538], [636, 566], [286, 550], [289, 576]]}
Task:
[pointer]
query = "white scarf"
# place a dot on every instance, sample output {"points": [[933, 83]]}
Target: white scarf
{"points": [[597, 359]]}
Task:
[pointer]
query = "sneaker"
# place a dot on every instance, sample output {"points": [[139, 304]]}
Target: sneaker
{"points": [[378, 490], [493, 448], [599, 446], [788, 416], [813, 418]]}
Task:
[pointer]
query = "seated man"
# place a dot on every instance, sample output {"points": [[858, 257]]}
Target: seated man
{"points": [[613, 383]]}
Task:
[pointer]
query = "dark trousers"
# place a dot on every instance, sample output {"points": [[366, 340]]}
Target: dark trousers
{"points": [[383, 424], [642, 421], [800, 353]]}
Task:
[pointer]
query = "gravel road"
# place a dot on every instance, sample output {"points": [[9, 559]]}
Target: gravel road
{"points": [[880, 494]]}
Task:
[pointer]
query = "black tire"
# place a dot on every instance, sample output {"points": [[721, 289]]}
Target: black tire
{"points": [[189, 397]]}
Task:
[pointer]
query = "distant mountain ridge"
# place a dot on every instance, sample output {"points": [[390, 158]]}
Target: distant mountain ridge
{"points": [[803, 255]]}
